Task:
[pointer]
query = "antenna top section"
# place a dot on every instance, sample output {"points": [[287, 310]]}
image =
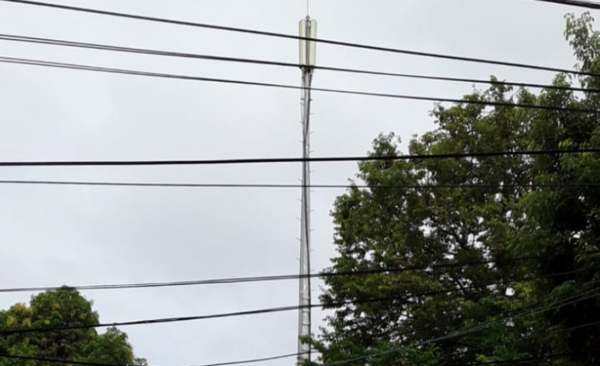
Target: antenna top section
{"points": [[308, 49]]}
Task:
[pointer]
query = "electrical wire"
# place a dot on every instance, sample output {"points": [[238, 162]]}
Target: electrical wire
{"points": [[532, 306], [261, 311], [294, 37], [564, 302], [502, 362], [84, 363], [298, 354], [235, 280], [55, 360], [582, 4], [546, 0], [503, 312], [291, 160], [594, 292], [95, 46], [265, 359], [521, 339], [441, 358], [593, 324], [253, 360], [154, 321], [481, 348], [515, 360], [32, 62], [295, 186]]}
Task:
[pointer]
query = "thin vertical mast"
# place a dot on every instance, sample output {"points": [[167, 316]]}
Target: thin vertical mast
{"points": [[308, 29]]}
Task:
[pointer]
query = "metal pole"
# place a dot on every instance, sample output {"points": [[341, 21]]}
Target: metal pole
{"points": [[304, 321]]}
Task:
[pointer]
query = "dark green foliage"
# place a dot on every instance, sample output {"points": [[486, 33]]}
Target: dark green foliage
{"points": [[497, 215]]}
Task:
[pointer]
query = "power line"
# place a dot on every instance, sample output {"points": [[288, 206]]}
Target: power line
{"points": [[502, 362], [291, 160], [471, 330], [515, 360], [582, 4], [153, 321], [234, 280], [84, 363], [255, 360], [95, 46], [296, 354], [442, 357], [259, 311], [294, 186], [32, 62], [562, 303], [265, 359], [273, 357], [294, 37], [504, 312], [521, 339], [532, 306], [524, 339], [55, 360]]}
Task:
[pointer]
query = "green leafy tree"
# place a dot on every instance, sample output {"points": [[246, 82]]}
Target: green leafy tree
{"points": [[500, 209], [58, 309], [140, 362]]}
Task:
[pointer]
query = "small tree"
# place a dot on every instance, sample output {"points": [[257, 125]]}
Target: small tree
{"points": [[62, 308]]}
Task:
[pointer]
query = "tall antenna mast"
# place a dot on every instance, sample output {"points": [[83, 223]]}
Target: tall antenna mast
{"points": [[308, 29]]}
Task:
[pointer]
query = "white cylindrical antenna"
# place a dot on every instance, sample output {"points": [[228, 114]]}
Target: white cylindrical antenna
{"points": [[308, 49]]}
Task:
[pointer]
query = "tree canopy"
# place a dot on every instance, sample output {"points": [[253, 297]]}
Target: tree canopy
{"points": [[534, 218], [59, 309]]}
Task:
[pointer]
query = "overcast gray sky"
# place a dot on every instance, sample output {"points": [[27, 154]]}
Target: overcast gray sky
{"points": [[92, 235]]}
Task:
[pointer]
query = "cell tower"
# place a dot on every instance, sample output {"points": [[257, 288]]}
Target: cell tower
{"points": [[308, 29]]}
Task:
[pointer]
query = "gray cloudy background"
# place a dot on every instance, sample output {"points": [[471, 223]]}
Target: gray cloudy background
{"points": [[97, 235]]}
